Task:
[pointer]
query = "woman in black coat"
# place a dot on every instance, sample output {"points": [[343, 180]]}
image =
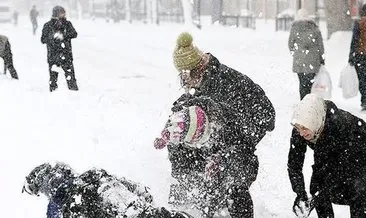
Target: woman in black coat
{"points": [[338, 140], [244, 113]]}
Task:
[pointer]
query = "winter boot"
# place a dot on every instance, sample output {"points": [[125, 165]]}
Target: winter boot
{"points": [[363, 107], [53, 87], [72, 85], [13, 74]]}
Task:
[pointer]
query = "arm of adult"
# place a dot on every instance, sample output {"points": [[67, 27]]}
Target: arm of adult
{"points": [[70, 32], [355, 39], [47, 34], [295, 163]]}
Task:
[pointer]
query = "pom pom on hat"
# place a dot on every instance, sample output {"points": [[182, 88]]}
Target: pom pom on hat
{"points": [[184, 40], [185, 55]]}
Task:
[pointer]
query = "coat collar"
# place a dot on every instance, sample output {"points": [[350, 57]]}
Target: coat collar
{"points": [[210, 74]]}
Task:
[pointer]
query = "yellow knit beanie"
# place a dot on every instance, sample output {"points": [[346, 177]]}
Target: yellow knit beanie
{"points": [[186, 56]]}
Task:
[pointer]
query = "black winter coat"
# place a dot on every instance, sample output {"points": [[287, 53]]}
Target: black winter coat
{"points": [[339, 169], [57, 49], [242, 109]]}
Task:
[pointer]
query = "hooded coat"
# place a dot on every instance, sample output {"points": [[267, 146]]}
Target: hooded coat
{"points": [[306, 46], [339, 170]]}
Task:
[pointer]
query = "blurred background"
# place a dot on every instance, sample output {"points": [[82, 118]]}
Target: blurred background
{"points": [[240, 13]]}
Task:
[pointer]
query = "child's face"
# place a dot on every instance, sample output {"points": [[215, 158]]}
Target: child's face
{"points": [[304, 132], [190, 78]]}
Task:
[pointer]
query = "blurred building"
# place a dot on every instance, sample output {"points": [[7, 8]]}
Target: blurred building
{"points": [[260, 8]]}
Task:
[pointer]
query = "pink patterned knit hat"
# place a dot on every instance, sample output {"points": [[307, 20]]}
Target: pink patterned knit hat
{"points": [[189, 126]]}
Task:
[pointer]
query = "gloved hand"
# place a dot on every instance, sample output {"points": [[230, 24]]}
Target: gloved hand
{"points": [[212, 167], [322, 62], [59, 36], [301, 206], [171, 133], [160, 143]]}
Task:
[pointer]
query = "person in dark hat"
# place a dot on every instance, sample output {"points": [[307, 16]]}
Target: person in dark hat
{"points": [[57, 34], [93, 194], [221, 165], [338, 140]]}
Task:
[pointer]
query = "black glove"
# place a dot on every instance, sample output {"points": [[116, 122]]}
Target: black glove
{"points": [[299, 209], [322, 62]]}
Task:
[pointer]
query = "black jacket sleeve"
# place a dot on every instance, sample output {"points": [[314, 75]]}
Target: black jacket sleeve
{"points": [[292, 39], [355, 38], [70, 32], [320, 45], [47, 34], [295, 163]]}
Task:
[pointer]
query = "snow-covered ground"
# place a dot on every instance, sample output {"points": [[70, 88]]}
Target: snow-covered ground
{"points": [[127, 82]]}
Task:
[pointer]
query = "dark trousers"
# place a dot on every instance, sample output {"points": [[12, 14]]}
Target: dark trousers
{"points": [[68, 68], [222, 191], [350, 192], [360, 66], [324, 208], [305, 83], [242, 204], [237, 199], [8, 61]]}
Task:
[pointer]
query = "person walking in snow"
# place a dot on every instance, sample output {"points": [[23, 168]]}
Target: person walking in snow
{"points": [[15, 17], [306, 46], [33, 15], [7, 56], [357, 56], [93, 194], [338, 140], [57, 34], [238, 113]]}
